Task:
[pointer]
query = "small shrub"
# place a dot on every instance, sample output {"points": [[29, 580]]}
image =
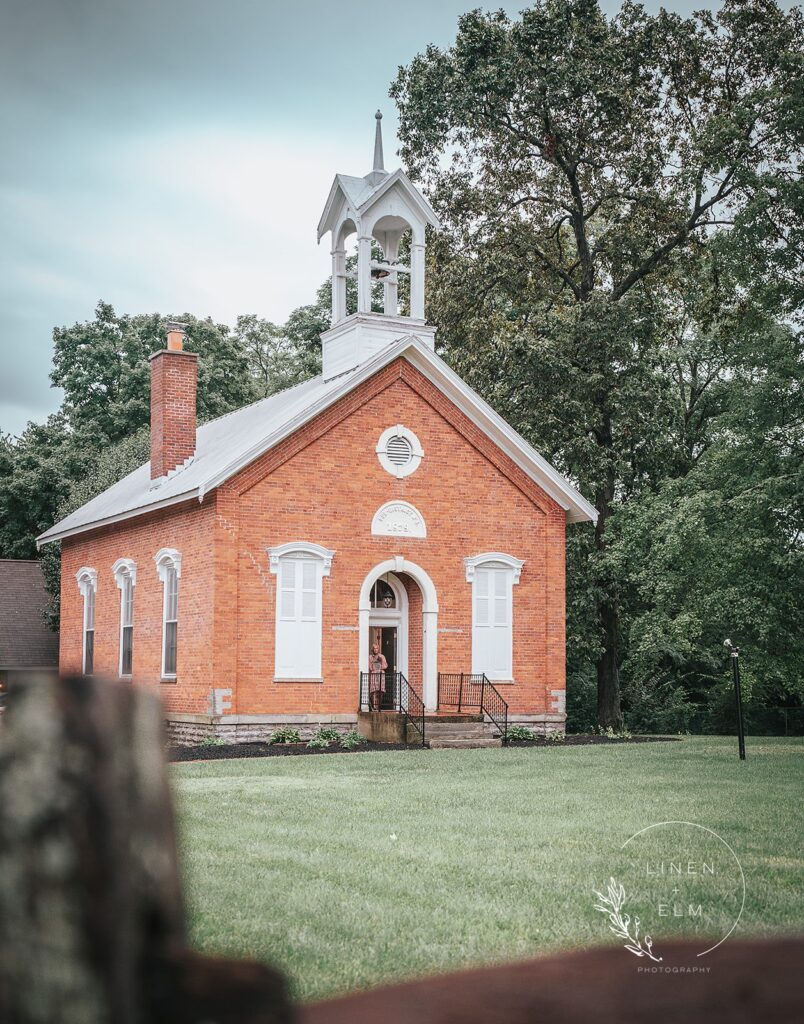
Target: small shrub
{"points": [[612, 734], [285, 735], [324, 737], [351, 740], [521, 732], [555, 737], [212, 741]]}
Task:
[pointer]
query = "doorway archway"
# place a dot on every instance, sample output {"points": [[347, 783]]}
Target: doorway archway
{"points": [[396, 566], [389, 616]]}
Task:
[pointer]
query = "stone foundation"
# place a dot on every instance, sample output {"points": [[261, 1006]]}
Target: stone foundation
{"points": [[189, 730], [379, 726], [542, 725]]}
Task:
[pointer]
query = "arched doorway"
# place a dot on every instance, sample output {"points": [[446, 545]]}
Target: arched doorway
{"points": [[388, 625], [387, 572]]}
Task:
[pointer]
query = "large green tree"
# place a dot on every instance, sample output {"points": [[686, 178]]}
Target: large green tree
{"points": [[102, 365], [581, 166], [97, 435]]}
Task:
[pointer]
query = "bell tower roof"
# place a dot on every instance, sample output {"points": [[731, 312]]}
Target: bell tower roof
{"points": [[359, 194]]}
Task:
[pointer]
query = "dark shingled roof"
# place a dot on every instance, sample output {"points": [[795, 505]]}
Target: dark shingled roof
{"points": [[25, 640]]}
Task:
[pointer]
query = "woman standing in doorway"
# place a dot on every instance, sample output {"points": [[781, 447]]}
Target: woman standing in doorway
{"points": [[377, 669]]}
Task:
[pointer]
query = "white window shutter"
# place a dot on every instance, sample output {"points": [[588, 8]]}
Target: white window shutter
{"points": [[492, 634], [298, 627]]}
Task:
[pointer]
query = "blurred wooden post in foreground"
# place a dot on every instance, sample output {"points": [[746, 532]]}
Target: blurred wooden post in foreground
{"points": [[91, 917]]}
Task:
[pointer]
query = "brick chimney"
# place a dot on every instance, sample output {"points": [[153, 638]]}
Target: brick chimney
{"points": [[174, 374]]}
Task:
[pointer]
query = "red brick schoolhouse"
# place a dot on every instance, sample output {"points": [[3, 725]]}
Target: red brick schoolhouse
{"points": [[250, 567]]}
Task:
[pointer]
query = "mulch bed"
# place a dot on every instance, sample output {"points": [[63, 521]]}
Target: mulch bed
{"points": [[224, 751]]}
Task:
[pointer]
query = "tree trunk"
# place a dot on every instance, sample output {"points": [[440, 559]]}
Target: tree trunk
{"points": [[609, 712], [91, 910]]}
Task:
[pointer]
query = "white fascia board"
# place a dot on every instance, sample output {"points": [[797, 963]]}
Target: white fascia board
{"points": [[324, 225], [47, 537], [399, 176]]}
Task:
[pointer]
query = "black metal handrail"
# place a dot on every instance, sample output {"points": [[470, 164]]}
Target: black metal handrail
{"points": [[465, 690], [391, 691]]}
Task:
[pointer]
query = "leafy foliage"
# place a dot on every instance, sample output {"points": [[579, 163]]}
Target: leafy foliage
{"points": [[324, 737], [285, 734], [351, 740], [101, 432], [520, 733], [617, 195]]}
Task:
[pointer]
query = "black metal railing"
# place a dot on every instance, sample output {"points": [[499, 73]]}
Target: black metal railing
{"points": [[390, 691], [467, 691]]}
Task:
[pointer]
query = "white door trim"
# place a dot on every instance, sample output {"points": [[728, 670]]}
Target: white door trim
{"points": [[429, 622], [394, 617]]}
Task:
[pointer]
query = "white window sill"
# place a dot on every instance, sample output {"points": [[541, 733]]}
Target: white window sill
{"points": [[298, 679], [502, 682], [168, 679]]}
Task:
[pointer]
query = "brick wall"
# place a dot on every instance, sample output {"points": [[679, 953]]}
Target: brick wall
{"points": [[188, 528], [414, 631]]}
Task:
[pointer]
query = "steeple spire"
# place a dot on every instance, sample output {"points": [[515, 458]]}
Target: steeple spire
{"points": [[378, 172], [378, 161]]}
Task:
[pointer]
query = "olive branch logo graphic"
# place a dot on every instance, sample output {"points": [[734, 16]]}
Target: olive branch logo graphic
{"points": [[612, 905]]}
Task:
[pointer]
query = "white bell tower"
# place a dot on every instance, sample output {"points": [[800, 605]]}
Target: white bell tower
{"points": [[378, 207]]}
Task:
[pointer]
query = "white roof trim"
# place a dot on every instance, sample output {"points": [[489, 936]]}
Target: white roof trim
{"points": [[402, 179], [327, 221], [576, 507], [48, 537]]}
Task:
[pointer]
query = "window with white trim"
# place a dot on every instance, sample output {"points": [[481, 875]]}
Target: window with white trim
{"points": [[88, 585], [168, 566], [125, 574], [493, 576], [300, 569]]}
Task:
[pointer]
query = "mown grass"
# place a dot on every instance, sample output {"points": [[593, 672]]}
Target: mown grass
{"points": [[349, 870]]}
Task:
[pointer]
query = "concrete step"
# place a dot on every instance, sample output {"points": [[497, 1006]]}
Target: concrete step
{"points": [[445, 718], [471, 728], [459, 743]]}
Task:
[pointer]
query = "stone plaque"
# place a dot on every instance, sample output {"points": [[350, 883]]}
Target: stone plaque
{"points": [[398, 519]]}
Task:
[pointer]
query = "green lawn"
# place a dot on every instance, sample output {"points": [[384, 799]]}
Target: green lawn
{"points": [[352, 869]]}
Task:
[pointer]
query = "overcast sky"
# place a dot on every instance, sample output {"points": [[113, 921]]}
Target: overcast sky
{"points": [[175, 155]]}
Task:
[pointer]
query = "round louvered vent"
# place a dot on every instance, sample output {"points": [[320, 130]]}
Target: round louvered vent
{"points": [[399, 451]]}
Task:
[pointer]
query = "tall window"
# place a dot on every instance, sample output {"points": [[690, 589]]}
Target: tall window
{"points": [[125, 574], [493, 576], [88, 584], [168, 565], [300, 569]]}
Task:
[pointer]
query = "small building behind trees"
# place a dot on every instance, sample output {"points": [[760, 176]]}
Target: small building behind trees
{"points": [[27, 644]]}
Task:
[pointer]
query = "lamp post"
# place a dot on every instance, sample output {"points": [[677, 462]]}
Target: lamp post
{"points": [[735, 670]]}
